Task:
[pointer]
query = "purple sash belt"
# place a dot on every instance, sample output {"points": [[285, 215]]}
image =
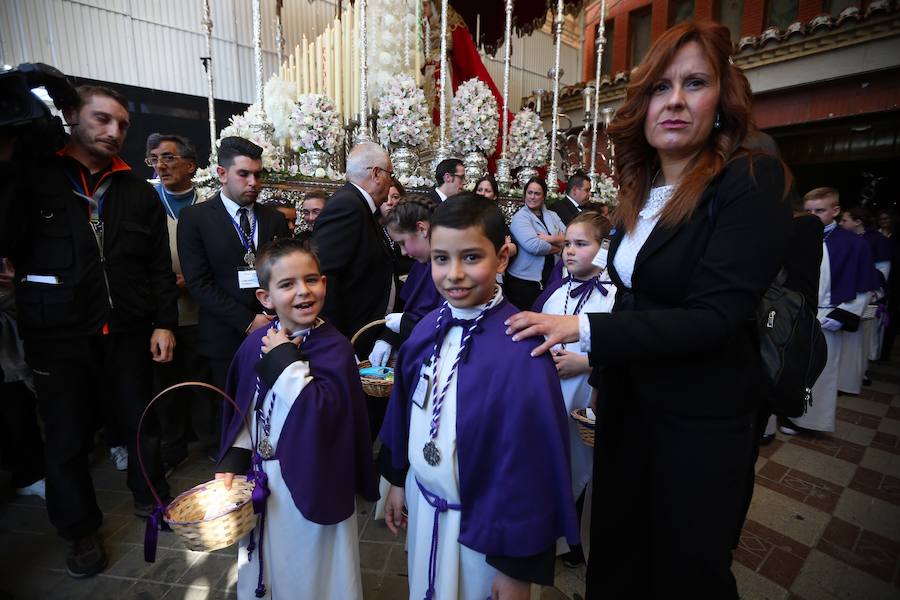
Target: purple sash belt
{"points": [[440, 506]]}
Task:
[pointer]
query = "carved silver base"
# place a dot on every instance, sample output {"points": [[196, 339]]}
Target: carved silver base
{"points": [[524, 174], [476, 164], [504, 175], [405, 161]]}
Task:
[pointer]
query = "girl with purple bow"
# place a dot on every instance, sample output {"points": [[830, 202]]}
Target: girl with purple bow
{"points": [[587, 289]]}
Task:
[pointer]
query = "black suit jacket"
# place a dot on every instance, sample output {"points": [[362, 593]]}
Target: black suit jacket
{"points": [[565, 209], [211, 254], [432, 193], [682, 340], [356, 258]]}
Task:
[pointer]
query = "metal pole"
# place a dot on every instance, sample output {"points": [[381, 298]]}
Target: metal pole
{"points": [[207, 64], [363, 134], [552, 183], [601, 30], [503, 167]]}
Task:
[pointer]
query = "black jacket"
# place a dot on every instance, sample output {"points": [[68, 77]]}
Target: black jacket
{"points": [[211, 254], [45, 229], [682, 340], [357, 260], [565, 209]]}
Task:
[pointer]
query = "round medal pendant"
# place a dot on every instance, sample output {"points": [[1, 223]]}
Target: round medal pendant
{"points": [[431, 453], [265, 448], [250, 258]]}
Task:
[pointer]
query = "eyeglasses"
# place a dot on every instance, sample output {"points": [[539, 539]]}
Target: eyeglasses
{"points": [[462, 176], [382, 169], [310, 211], [166, 159]]}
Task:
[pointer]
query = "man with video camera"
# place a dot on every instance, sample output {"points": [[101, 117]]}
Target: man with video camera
{"points": [[95, 293]]}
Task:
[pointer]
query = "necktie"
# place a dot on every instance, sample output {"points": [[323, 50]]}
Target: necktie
{"points": [[245, 227]]}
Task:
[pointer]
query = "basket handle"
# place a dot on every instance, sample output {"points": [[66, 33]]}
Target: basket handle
{"points": [[184, 384], [366, 328]]}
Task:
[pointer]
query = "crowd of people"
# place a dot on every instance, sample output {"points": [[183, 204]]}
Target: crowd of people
{"points": [[114, 289]]}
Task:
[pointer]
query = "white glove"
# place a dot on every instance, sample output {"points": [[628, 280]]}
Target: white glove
{"points": [[380, 354], [393, 321], [830, 324]]}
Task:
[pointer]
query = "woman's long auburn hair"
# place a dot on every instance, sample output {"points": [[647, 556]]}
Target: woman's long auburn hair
{"points": [[636, 160]]}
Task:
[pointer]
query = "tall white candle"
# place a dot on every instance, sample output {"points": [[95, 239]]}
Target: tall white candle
{"points": [[338, 66], [305, 65], [320, 74]]}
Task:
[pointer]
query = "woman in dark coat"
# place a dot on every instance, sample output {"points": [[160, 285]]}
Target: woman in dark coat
{"points": [[701, 229]]}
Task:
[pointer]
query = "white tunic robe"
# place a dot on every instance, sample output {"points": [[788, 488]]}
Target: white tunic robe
{"points": [[462, 573], [820, 415], [576, 390], [302, 559]]}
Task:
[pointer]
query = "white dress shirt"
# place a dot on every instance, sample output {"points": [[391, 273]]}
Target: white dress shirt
{"points": [[232, 208], [628, 249]]}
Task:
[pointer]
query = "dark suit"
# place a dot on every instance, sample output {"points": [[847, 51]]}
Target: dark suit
{"points": [[565, 209], [679, 390], [211, 254], [357, 260], [432, 193]]}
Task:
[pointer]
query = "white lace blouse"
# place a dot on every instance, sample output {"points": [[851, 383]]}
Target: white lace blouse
{"points": [[634, 240]]}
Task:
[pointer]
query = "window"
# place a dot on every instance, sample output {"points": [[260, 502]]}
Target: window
{"points": [[836, 7], [639, 38], [607, 62], [728, 13], [680, 10], [781, 13]]}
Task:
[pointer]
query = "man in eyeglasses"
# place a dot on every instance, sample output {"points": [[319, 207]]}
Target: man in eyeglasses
{"points": [[174, 160], [352, 247], [450, 176], [96, 301], [312, 206]]}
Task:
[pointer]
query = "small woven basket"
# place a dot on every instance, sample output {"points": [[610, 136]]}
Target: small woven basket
{"points": [[585, 425], [378, 388], [206, 517]]}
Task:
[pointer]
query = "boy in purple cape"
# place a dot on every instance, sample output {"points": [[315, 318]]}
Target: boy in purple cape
{"points": [[847, 276], [475, 439], [299, 384]]}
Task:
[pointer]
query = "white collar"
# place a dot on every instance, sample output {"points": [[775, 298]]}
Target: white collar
{"points": [[473, 311], [578, 206], [368, 197], [301, 332], [442, 195], [232, 207]]}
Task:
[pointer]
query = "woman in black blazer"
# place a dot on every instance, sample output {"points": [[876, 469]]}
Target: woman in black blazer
{"points": [[701, 229]]}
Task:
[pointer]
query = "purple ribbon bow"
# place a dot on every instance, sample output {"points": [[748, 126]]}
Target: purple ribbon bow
{"points": [[585, 286], [155, 522]]}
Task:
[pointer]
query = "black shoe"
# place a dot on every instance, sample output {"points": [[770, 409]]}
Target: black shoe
{"points": [[171, 463], [867, 381], [573, 558], [86, 557], [766, 439], [144, 510]]}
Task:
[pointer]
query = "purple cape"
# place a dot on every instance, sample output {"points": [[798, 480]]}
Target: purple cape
{"points": [[325, 447], [418, 294], [881, 246], [512, 438], [852, 268]]}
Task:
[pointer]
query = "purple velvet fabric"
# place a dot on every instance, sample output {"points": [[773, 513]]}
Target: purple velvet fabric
{"points": [[852, 268], [325, 448], [418, 294], [512, 438]]}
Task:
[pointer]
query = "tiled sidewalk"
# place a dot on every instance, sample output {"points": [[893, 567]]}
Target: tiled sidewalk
{"points": [[824, 524]]}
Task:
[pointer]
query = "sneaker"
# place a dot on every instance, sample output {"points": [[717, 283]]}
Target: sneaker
{"points": [[787, 427], [119, 456], [86, 557], [38, 488]]}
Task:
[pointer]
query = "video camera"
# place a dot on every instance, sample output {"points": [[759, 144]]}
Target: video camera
{"points": [[25, 117]]}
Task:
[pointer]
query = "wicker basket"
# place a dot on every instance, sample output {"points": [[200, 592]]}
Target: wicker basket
{"points": [[378, 388], [206, 517], [585, 425]]}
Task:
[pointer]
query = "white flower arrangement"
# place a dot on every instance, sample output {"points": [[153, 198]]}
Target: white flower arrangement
{"points": [[474, 120], [528, 145], [607, 191], [415, 181], [403, 118], [250, 125], [280, 97], [315, 124]]}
